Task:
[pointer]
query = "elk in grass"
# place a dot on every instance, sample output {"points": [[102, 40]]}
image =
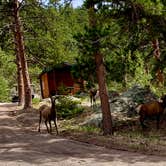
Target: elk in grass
{"points": [[154, 108]]}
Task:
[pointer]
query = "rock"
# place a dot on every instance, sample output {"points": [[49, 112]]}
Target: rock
{"points": [[94, 120], [139, 94], [123, 105], [128, 100]]}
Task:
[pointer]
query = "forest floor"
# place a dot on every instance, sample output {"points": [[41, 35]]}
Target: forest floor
{"points": [[128, 134], [22, 145]]}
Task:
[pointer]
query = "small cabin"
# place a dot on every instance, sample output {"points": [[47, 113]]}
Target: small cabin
{"points": [[60, 81]]}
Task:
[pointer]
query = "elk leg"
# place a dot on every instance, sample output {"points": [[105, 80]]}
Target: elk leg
{"points": [[142, 122], [39, 122], [158, 121], [91, 100], [94, 101], [46, 126], [50, 126], [56, 126]]}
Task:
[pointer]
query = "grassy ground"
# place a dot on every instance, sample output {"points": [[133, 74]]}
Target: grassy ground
{"points": [[128, 134]]}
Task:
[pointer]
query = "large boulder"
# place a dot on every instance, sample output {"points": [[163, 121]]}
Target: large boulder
{"points": [[94, 120], [128, 100], [123, 105], [140, 94]]}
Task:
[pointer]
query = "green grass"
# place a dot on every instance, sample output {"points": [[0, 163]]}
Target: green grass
{"points": [[89, 129]]}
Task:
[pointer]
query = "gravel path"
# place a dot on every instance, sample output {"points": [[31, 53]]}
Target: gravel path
{"points": [[25, 147]]}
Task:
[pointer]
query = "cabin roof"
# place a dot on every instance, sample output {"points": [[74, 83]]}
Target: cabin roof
{"points": [[59, 67]]}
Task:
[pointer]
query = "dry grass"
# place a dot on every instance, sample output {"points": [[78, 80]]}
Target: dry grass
{"points": [[128, 134]]}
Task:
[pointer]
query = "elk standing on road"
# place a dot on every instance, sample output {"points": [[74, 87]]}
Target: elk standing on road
{"points": [[48, 114]]}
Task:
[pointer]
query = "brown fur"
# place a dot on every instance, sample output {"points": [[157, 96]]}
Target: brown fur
{"points": [[92, 94], [48, 114], [154, 108]]}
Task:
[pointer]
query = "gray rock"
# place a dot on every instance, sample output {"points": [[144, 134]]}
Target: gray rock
{"points": [[94, 120], [128, 100], [123, 104]]}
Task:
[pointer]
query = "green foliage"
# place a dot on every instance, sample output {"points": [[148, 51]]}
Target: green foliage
{"points": [[62, 89], [67, 107], [123, 31], [140, 76], [92, 41], [7, 75], [4, 89], [158, 90], [89, 129], [36, 101], [137, 22], [48, 34], [50, 30]]}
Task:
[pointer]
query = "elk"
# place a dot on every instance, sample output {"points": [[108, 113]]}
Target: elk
{"points": [[154, 108], [48, 114], [93, 93]]}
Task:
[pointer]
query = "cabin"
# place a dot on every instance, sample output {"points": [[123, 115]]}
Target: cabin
{"points": [[59, 80]]}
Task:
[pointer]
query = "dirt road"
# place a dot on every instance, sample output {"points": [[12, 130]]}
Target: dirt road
{"points": [[25, 147]]}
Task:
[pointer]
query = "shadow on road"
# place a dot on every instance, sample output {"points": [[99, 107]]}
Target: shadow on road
{"points": [[8, 105], [27, 146]]}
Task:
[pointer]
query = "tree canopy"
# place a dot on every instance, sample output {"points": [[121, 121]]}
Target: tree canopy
{"points": [[128, 32]]}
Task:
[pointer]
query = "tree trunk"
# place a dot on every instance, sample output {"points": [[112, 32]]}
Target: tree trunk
{"points": [[20, 82], [22, 56], [159, 72], [100, 71], [155, 45], [19, 71], [103, 92]]}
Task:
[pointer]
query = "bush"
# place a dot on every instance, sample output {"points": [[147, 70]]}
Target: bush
{"points": [[4, 90], [67, 107], [36, 101]]}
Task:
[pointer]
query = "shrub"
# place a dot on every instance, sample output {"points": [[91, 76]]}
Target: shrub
{"points": [[4, 90], [36, 101], [67, 107]]}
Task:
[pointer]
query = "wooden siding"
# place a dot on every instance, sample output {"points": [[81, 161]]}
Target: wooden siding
{"points": [[44, 85], [52, 82], [55, 80], [64, 78]]}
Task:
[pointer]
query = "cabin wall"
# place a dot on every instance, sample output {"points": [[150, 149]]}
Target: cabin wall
{"points": [[52, 82], [58, 82], [64, 81], [44, 85]]}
